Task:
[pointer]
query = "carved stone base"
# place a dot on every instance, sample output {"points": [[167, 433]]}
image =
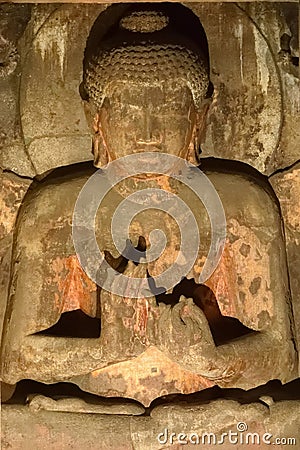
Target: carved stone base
{"points": [[25, 429]]}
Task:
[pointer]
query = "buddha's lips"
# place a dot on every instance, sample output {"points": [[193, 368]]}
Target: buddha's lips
{"points": [[156, 143], [148, 148]]}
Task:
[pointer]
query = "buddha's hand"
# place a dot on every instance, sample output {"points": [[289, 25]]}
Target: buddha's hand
{"points": [[185, 336]]}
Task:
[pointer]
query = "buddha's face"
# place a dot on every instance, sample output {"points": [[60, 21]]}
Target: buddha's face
{"points": [[139, 118]]}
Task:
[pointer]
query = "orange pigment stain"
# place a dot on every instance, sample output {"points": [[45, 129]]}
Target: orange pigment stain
{"points": [[149, 376], [223, 283], [141, 317], [75, 289]]}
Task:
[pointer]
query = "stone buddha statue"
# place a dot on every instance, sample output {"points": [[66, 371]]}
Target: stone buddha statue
{"points": [[146, 89]]}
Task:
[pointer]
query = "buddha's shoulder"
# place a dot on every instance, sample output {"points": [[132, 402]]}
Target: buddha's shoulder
{"points": [[237, 180], [239, 187], [66, 181], [242, 189], [56, 194]]}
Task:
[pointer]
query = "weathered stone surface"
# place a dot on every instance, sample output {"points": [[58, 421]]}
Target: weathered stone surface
{"points": [[13, 156], [58, 430], [6, 391], [5, 260], [48, 430], [40, 402], [53, 122], [145, 378], [12, 192], [281, 27], [284, 420], [287, 187], [245, 116], [65, 150]]}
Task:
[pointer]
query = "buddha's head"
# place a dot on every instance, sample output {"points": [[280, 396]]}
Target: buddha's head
{"points": [[146, 88]]}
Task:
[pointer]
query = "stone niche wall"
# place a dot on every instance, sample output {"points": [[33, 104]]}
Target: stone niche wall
{"points": [[254, 118]]}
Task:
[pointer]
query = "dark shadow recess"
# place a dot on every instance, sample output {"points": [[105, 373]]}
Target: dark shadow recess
{"points": [[74, 324]]}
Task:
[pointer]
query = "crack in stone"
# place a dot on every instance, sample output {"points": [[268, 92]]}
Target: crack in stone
{"points": [[22, 177], [284, 169]]}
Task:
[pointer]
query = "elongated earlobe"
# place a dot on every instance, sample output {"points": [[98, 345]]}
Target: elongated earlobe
{"points": [[99, 148], [198, 135], [193, 150]]}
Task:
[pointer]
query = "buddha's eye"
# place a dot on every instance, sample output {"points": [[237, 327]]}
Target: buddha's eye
{"points": [[179, 108]]}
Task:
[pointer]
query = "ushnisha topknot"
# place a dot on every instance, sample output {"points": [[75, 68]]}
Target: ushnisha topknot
{"points": [[144, 21], [144, 49]]}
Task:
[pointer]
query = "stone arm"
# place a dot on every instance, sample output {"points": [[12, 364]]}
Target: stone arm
{"points": [[50, 359]]}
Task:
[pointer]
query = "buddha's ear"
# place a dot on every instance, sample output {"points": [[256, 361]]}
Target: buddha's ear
{"points": [[201, 120], [99, 147], [198, 134], [91, 114], [201, 115]]}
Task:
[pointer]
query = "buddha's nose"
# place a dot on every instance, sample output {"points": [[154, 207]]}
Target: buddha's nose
{"points": [[147, 135]]}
